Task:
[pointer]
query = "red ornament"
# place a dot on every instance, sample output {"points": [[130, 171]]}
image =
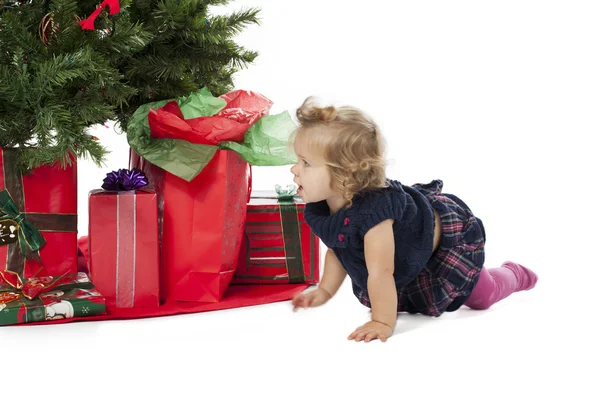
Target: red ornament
{"points": [[46, 28], [88, 23]]}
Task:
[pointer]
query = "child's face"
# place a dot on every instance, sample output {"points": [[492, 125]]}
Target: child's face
{"points": [[311, 174]]}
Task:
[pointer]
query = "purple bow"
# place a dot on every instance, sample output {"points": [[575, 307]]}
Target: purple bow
{"points": [[125, 179]]}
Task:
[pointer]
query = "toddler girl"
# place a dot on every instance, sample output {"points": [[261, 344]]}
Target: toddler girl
{"points": [[405, 248]]}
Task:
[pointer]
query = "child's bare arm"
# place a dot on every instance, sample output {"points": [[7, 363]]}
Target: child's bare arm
{"points": [[379, 255], [333, 276]]}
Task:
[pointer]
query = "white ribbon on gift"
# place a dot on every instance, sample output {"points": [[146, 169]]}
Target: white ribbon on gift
{"points": [[126, 249]]}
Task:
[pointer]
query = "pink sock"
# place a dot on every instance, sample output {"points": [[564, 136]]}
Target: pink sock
{"points": [[497, 283]]}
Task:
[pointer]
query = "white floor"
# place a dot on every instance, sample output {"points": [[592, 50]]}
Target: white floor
{"points": [[532, 344]]}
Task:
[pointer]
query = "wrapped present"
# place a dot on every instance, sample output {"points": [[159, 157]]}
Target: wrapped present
{"points": [[278, 246], [196, 152], [47, 199], [123, 241], [47, 298]]}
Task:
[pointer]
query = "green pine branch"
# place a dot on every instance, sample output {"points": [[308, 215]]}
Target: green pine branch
{"points": [[57, 83]]}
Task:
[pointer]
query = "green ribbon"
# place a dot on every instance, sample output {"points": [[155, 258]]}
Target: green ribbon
{"points": [[291, 232], [286, 193], [30, 238]]}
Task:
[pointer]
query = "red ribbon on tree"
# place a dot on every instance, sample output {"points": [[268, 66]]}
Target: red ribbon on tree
{"points": [[88, 24]]}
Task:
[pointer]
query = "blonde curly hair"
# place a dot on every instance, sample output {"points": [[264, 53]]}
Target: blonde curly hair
{"points": [[350, 143]]}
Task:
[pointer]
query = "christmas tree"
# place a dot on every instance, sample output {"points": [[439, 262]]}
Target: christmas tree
{"points": [[66, 65]]}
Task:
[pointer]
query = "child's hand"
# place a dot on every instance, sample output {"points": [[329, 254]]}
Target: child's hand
{"points": [[314, 298], [371, 330]]}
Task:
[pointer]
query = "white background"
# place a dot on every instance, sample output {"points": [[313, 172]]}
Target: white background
{"points": [[500, 100]]}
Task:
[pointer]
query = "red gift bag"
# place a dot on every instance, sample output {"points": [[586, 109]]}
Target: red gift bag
{"points": [[46, 197], [201, 224]]}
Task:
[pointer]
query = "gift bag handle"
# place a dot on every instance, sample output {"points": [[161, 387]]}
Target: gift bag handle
{"points": [[249, 183]]}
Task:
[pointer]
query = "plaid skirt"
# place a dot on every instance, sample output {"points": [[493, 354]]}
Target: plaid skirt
{"points": [[448, 278]]}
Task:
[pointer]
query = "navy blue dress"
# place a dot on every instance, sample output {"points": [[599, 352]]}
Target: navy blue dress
{"points": [[426, 282]]}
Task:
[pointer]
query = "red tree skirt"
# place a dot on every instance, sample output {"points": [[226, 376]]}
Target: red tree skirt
{"points": [[235, 296]]}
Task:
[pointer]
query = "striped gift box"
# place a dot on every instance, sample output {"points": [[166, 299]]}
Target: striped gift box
{"points": [[278, 246]]}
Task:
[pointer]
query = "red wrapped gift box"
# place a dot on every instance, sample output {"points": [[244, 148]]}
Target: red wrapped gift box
{"points": [[123, 247], [47, 197], [201, 226], [278, 246]]}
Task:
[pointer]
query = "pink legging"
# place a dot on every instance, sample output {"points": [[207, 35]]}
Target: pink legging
{"points": [[497, 283]]}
